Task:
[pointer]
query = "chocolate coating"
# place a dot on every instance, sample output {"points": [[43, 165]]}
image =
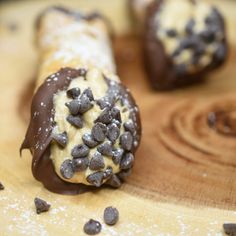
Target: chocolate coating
{"points": [[162, 72], [39, 133]]}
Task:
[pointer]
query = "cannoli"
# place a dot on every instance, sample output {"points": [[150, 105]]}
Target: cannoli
{"points": [[183, 41], [85, 125]]}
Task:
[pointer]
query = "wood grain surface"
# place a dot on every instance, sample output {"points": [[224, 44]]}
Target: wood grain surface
{"points": [[183, 181]]}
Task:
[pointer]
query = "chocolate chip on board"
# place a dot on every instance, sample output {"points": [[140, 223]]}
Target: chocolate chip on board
{"points": [[111, 215], [76, 121], [230, 229], [41, 205], [66, 169], [1, 186], [92, 227], [79, 151]]}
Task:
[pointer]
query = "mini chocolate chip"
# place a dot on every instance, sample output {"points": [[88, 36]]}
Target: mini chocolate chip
{"points": [[111, 215], [73, 106], [96, 178], [103, 103], [127, 161], [108, 172], [176, 52], [189, 42], [220, 52], [82, 72], [117, 155], [61, 139], [88, 140], [114, 181], [85, 104], [208, 36], [230, 229], [124, 174], [129, 126], [1, 186], [105, 117], [66, 169], [99, 132], [115, 113], [88, 92], [113, 132], [96, 162], [80, 164], [76, 121], [79, 151], [92, 227], [73, 93], [126, 141], [105, 148], [189, 26], [171, 33], [41, 205], [118, 124]]}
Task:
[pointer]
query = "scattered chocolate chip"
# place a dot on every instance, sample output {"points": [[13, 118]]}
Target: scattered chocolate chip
{"points": [[171, 33], [105, 117], [1, 186], [96, 178], [126, 141], [105, 149], [88, 92], [114, 181], [108, 172], [88, 140], [41, 205], [124, 174], [117, 155], [99, 132], [76, 121], [220, 52], [129, 126], [73, 93], [80, 164], [115, 113], [92, 227], [61, 139], [230, 229], [189, 26], [85, 104], [66, 169], [111, 215], [79, 151], [127, 161], [73, 106], [113, 132], [96, 162], [82, 72]]}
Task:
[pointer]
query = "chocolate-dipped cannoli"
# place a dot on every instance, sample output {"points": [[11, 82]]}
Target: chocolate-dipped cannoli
{"points": [[85, 126], [183, 41]]}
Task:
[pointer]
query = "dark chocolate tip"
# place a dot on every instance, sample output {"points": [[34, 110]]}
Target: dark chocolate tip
{"points": [[105, 149], [61, 139], [111, 215], [97, 162], [230, 229], [127, 161], [66, 169], [80, 151], [114, 181], [99, 132], [1, 186], [41, 205], [126, 141], [96, 178], [73, 93], [80, 164], [76, 121], [89, 141], [92, 227]]}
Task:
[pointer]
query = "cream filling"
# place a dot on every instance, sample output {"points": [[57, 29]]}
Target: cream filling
{"points": [[174, 15], [98, 85]]}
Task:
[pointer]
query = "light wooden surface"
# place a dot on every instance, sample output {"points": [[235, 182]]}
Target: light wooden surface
{"points": [[184, 177]]}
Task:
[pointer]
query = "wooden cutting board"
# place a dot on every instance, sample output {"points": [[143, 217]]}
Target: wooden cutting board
{"points": [[184, 179]]}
